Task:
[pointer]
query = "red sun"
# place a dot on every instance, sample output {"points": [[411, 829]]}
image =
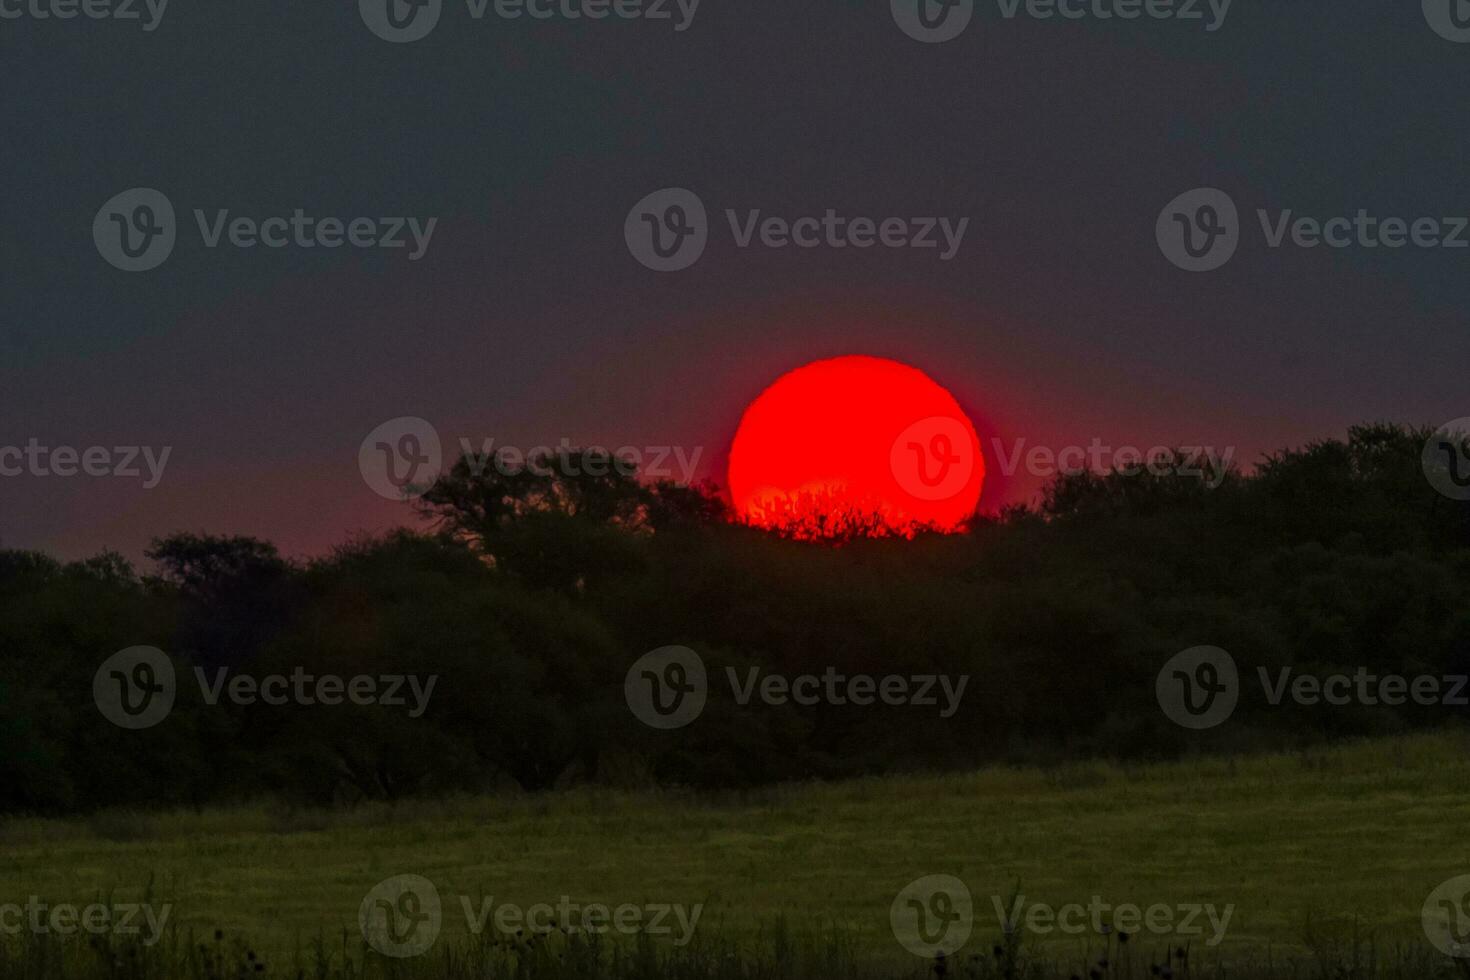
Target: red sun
{"points": [[860, 439]]}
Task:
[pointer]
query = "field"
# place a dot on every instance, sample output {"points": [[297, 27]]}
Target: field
{"points": [[1306, 847]]}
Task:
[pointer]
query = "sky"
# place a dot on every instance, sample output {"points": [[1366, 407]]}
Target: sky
{"points": [[1060, 320]]}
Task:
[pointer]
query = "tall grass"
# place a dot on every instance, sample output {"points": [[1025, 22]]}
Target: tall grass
{"points": [[1356, 835], [182, 955]]}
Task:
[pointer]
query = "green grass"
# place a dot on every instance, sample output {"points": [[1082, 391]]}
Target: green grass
{"points": [[1302, 845]]}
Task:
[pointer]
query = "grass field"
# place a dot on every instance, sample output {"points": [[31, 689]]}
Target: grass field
{"points": [[1300, 844]]}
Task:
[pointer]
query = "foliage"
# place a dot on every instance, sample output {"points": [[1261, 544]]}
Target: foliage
{"points": [[536, 588]]}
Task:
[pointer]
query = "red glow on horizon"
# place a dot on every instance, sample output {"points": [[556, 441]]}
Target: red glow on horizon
{"points": [[856, 436]]}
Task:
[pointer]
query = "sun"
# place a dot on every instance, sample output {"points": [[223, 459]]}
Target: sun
{"points": [[855, 440]]}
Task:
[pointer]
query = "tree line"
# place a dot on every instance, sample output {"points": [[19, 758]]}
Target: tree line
{"points": [[528, 593]]}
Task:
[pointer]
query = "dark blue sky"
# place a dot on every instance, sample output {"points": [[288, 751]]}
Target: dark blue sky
{"points": [[527, 320]]}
